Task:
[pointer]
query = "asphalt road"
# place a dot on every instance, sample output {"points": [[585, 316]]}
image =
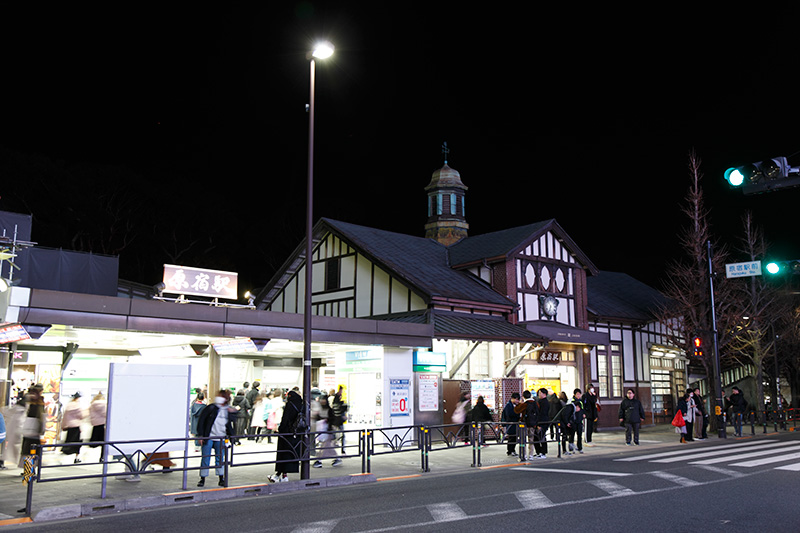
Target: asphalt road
{"points": [[738, 485]]}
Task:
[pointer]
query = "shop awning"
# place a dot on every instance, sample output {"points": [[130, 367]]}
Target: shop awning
{"points": [[555, 332]]}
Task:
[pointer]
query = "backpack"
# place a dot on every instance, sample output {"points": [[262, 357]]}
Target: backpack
{"points": [[299, 425]]}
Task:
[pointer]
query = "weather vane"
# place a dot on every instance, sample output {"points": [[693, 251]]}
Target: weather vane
{"points": [[445, 151]]}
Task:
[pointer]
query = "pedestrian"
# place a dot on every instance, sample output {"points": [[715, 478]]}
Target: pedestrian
{"points": [[197, 407], [14, 418], [290, 438], [555, 407], [257, 423], [687, 408], [217, 420], [462, 415], [273, 412], [252, 395], [737, 404], [241, 404], [71, 421], [97, 418], [529, 417], [323, 422], [510, 420], [631, 413], [340, 407], [570, 420], [701, 425], [540, 442], [480, 416], [34, 424], [580, 416], [591, 407]]}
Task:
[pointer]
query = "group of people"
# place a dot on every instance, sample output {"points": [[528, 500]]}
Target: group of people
{"points": [[212, 423], [26, 422]]}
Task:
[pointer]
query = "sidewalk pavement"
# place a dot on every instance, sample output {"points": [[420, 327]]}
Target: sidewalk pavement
{"points": [[74, 498]]}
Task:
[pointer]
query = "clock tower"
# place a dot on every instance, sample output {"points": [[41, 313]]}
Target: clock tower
{"points": [[446, 221]]}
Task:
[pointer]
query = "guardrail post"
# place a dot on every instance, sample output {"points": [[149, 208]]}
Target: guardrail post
{"points": [[29, 474], [227, 456]]}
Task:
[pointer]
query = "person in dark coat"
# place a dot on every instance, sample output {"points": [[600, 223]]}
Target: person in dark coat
{"points": [[702, 424], [290, 444], [591, 412], [738, 405], [481, 415], [570, 420], [631, 413], [241, 404], [510, 421], [540, 444], [529, 415]]}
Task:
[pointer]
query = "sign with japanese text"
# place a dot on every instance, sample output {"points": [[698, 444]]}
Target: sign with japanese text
{"points": [[192, 281], [399, 391], [549, 358], [13, 333], [741, 270], [232, 346], [428, 391]]}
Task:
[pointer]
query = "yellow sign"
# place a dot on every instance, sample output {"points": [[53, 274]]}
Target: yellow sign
{"points": [[534, 384], [718, 410]]}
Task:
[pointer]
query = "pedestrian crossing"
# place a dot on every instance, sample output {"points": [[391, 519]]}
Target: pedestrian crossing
{"points": [[743, 455]]}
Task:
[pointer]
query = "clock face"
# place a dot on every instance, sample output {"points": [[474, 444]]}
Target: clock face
{"points": [[550, 306]]}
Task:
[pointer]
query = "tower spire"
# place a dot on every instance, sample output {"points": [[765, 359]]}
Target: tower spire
{"points": [[446, 220]]}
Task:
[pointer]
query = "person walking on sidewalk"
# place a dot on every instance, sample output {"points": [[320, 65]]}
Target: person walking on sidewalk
{"points": [[540, 442], [216, 420], [631, 413], [591, 407], [481, 416], [290, 442], [529, 416], [71, 421], [34, 424], [701, 425], [510, 421], [738, 406], [687, 409]]}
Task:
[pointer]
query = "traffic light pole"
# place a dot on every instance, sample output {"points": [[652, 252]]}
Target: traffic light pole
{"points": [[717, 370]]}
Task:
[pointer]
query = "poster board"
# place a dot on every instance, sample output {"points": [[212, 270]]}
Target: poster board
{"points": [[148, 402]]}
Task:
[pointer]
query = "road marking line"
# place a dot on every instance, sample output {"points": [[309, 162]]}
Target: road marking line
{"points": [[446, 512], [723, 471], [325, 526], [680, 451], [565, 471], [747, 456], [678, 480], [692, 456], [794, 468], [615, 489], [533, 499], [768, 460]]}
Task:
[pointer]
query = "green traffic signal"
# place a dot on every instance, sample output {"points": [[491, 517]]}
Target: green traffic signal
{"points": [[781, 267], [734, 176]]}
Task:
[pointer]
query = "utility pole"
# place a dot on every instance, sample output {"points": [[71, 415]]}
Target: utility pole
{"points": [[717, 367]]}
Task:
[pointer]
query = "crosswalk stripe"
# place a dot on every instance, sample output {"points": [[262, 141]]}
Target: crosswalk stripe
{"points": [[615, 489], [568, 471], [794, 468], [683, 451], [769, 460], [678, 480], [743, 456], [692, 456], [723, 471], [533, 499], [325, 526], [446, 512]]}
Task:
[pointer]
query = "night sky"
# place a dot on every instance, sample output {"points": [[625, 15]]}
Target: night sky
{"points": [[187, 126]]}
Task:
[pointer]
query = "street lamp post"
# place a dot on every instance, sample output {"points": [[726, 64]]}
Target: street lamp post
{"points": [[321, 51]]}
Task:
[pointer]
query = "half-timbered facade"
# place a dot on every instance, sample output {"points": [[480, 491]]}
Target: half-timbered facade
{"points": [[508, 304]]}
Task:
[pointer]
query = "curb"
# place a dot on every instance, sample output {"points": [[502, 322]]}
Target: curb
{"points": [[104, 507]]}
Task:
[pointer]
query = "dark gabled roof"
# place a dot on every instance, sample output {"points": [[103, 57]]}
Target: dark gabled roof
{"points": [[615, 295], [506, 242], [450, 325], [419, 261]]}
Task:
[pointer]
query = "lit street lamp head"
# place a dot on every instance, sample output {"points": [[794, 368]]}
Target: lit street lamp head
{"points": [[322, 50]]}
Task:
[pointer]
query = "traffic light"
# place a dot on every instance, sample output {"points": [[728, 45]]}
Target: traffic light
{"points": [[697, 342], [777, 268], [764, 176]]}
